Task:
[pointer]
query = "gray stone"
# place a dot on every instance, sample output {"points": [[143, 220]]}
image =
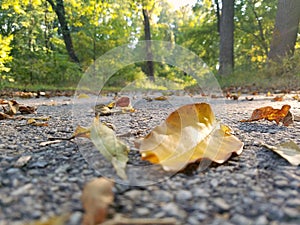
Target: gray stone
{"points": [[162, 196], [221, 204], [199, 192], [38, 164], [261, 220], [172, 209], [133, 194], [291, 212], [240, 219], [183, 195], [295, 202], [214, 183], [142, 211]]}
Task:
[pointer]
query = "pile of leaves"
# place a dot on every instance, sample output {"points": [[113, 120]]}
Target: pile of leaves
{"points": [[11, 109]]}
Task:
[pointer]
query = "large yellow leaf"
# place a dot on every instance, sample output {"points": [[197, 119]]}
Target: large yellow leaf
{"points": [[189, 134]]}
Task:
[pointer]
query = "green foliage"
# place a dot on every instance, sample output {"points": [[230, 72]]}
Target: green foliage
{"points": [[271, 76], [32, 50]]}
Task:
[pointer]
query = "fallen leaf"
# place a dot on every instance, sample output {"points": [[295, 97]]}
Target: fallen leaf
{"points": [[4, 116], [82, 132], [189, 134], [120, 220], [3, 102], [33, 122], [270, 114], [123, 102], [96, 197], [106, 141], [161, 98], [249, 99], [102, 110], [269, 94], [82, 95], [27, 109], [296, 97], [22, 161], [13, 107], [288, 150], [111, 105], [57, 220], [278, 98], [113, 149]]}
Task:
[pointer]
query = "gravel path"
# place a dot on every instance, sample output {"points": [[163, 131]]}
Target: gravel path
{"points": [[258, 187]]}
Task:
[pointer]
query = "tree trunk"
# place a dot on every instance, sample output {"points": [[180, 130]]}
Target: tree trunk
{"points": [[147, 31], [218, 15], [286, 30], [226, 38], [61, 15]]}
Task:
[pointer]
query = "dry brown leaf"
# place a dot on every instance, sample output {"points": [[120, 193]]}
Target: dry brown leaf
{"points": [[119, 220], [82, 132], [189, 134], [271, 114], [33, 122], [96, 197], [4, 116], [123, 102], [3, 102], [13, 107], [278, 98], [57, 220], [249, 99], [296, 97], [161, 98], [27, 109]]}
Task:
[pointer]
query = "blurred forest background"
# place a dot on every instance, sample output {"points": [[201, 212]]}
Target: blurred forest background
{"points": [[50, 43]]}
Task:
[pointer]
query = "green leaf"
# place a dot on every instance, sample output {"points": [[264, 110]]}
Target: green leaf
{"points": [[113, 149], [287, 150]]}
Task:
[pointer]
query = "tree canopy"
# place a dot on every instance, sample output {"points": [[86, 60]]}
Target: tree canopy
{"points": [[54, 41]]}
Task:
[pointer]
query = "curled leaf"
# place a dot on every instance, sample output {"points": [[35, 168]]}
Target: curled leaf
{"points": [[113, 149], [288, 150], [278, 98], [271, 114], [27, 109], [13, 107], [189, 134], [161, 98], [107, 143], [97, 195], [4, 116], [33, 122], [123, 102]]}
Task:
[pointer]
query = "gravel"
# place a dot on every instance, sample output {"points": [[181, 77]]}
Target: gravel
{"points": [[40, 181]]}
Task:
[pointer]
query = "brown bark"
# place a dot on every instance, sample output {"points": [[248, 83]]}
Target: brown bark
{"points": [[147, 31], [286, 29], [226, 38], [59, 9]]}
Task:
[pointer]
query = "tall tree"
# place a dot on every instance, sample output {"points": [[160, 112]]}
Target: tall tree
{"points": [[59, 9], [286, 29], [226, 38], [147, 32]]}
